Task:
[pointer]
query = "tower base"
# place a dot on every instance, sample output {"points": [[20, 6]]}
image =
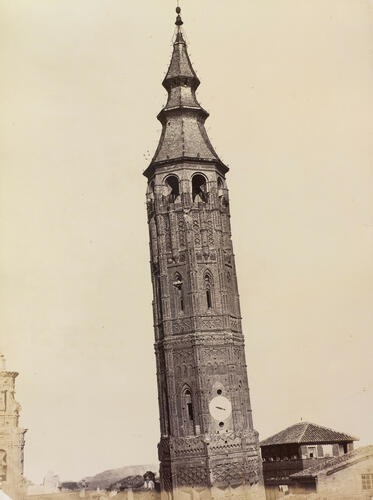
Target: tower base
{"points": [[244, 492]]}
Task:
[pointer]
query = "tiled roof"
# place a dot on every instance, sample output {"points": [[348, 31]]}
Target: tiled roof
{"points": [[184, 137], [305, 432], [180, 65], [335, 462]]}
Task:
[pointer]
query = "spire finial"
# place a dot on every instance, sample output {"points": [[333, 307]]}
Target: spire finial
{"points": [[178, 21]]}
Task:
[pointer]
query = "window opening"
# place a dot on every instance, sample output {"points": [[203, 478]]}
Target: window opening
{"points": [[178, 284], [199, 188], [284, 488], [208, 298], [208, 291], [367, 480], [188, 408], [190, 411], [311, 452], [327, 450], [172, 188]]}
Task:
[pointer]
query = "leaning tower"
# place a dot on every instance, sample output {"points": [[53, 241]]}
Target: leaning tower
{"points": [[208, 442]]}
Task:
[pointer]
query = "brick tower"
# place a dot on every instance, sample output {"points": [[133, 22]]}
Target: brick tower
{"points": [[208, 442], [12, 439]]}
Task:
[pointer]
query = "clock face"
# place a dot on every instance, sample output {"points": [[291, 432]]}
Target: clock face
{"points": [[220, 408]]}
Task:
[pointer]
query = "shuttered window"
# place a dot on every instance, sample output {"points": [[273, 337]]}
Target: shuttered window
{"points": [[367, 480]]}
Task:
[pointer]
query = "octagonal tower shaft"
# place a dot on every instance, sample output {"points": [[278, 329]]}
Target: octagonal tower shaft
{"points": [[207, 435]]}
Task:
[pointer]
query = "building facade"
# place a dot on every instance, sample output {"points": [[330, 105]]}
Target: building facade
{"points": [[12, 439], [207, 434], [297, 448], [345, 477]]}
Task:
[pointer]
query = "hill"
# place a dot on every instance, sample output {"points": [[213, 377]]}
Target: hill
{"points": [[104, 479]]}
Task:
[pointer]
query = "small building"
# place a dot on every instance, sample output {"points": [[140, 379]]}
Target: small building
{"points": [[297, 448], [346, 477]]}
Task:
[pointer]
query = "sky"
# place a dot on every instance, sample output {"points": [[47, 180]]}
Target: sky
{"points": [[288, 86]]}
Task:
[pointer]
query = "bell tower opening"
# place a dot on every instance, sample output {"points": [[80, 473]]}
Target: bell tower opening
{"points": [[199, 188], [172, 188]]}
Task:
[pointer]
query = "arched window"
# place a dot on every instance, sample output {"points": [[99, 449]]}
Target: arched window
{"points": [[199, 188], [179, 288], [187, 411], [189, 405], [208, 290], [172, 188]]}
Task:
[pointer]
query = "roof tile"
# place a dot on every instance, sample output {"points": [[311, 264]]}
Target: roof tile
{"points": [[305, 432]]}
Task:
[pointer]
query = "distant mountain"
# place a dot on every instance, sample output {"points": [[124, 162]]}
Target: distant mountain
{"points": [[108, 477]]}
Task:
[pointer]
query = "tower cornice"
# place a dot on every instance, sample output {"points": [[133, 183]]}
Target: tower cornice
{"points": [[149, 172]]}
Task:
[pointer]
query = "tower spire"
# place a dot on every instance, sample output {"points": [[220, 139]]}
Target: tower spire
{"points": [[183, 137]]}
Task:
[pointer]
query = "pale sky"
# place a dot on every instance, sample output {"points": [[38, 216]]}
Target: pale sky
{"points": [[288, 85]]}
